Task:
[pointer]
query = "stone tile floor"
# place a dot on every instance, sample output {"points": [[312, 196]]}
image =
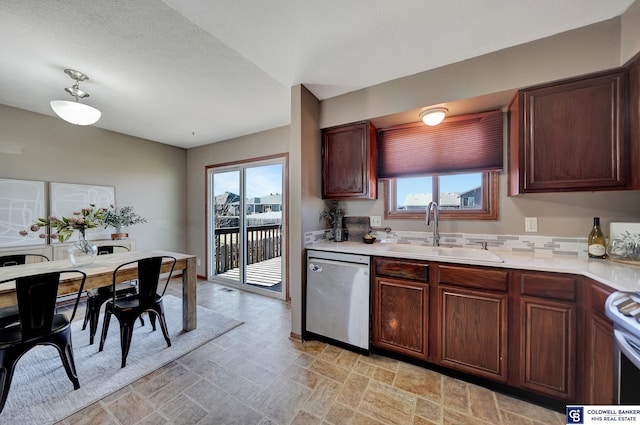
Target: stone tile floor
{"points": [[256, 375]]}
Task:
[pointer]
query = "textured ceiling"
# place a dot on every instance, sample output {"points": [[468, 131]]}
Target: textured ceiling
{"points": [[192, 72]]}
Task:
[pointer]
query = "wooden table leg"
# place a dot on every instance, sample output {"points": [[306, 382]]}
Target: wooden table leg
{"points": [[189, 319]]}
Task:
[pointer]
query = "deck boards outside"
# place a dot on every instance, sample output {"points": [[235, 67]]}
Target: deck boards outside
{"points": [[265, 273]]}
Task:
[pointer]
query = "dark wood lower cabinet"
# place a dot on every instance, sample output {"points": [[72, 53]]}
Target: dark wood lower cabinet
{"points": [[544, 333], [548, 347], [599, 351], [600, 367], [473, 332], [400, 316]]}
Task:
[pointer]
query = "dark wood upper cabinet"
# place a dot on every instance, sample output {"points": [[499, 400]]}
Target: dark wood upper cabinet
{"points": [[570, 136], [349, 162]]}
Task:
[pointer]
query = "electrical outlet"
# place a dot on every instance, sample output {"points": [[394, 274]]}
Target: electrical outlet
{"points": [[198, 261], [375, 221], [531, 224]]}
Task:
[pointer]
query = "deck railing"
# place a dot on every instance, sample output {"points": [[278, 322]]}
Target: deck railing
{"points": [[263, 243]]}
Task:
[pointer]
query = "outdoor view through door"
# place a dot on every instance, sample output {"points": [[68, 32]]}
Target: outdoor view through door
{"points": [[246, 218]]}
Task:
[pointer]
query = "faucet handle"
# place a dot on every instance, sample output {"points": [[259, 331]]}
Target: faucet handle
{"points": [[484, 244]]}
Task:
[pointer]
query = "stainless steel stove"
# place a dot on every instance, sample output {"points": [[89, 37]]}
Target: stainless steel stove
{"points": [[623, 308]]}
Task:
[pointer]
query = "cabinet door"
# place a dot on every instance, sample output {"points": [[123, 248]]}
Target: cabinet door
{"points": [[473, 332], [600, 352], [400, 312], [599, 348], [349, 162], [548, 342], [572, 136]]}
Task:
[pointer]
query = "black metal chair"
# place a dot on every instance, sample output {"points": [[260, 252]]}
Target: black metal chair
{"points": [[16, 259], [128, 309], [38, 324], [10, 314], [98, 296]]}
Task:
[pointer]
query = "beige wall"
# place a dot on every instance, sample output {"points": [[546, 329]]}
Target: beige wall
{"points": [[581, 51], [559, 214], [630, 33], [266, 143], [149, 176], [305, 139]]}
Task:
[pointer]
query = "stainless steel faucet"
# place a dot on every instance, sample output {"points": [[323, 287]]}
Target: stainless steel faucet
{"points": [[436, 235]]}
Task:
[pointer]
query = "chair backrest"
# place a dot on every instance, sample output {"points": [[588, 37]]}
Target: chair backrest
{"points": [[16, 259], [148, 278], [37, 295], [109, 249]]}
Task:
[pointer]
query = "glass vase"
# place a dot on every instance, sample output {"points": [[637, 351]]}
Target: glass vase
{"points": [[119, 233], [82, 253]]}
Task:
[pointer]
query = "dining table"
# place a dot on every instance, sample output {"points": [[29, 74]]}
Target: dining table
{"points": [[100, 273]]}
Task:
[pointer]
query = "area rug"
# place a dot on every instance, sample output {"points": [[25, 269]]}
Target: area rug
{"points": [[41, 393]]}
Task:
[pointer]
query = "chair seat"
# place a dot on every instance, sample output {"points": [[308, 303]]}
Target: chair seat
{"points": [[12, 334], [97, 296], [121, 289], [129, 303]]}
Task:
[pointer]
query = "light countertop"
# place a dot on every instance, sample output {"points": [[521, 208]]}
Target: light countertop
{"points": [[619, 276]]}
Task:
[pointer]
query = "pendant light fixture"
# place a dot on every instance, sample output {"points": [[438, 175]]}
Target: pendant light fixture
{"points": [[75, 112], [433, 116]]}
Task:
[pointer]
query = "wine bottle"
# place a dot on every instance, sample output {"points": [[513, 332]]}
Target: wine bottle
{"points": [[597, 245]]}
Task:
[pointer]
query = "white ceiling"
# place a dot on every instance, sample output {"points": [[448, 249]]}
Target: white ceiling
{"points": [[193, 72]]}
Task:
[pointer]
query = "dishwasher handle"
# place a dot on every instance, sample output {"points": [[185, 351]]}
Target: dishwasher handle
{"points": [[315, 264]]}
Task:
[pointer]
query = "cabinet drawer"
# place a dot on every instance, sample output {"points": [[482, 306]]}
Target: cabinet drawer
{"points": [[489, 279], [402, 268], [546, 286]]}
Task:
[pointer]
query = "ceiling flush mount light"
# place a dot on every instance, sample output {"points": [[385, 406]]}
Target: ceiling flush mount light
{"points": [[433, 116], [76, 112]]}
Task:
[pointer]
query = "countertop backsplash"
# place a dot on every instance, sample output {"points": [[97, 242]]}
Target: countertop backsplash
{"points": [[543, 246]]}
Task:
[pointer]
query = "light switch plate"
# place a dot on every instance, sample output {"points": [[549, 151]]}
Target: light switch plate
{"points": [[531, 224], [375, 221]]}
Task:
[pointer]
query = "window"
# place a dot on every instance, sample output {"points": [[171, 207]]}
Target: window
{"points": [[472, 196], [456, 164]]}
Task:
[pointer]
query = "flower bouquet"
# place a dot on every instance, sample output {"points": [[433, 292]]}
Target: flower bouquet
{"points": [[81, 253], [83, 219], [119, 218]]}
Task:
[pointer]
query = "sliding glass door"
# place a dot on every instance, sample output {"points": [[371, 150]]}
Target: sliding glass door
{"points": [[246, 208]]}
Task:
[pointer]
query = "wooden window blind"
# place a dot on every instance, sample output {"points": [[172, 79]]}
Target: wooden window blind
{"points": [[466, 143]]}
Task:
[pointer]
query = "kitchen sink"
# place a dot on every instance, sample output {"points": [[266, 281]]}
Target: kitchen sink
{"points": [[443, 252]]}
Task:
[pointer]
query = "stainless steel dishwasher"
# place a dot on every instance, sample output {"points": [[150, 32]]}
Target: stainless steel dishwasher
{"points": [[337, 297]]}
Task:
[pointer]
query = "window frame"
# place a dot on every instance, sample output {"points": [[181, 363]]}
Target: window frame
{"points": [[489, 210]]}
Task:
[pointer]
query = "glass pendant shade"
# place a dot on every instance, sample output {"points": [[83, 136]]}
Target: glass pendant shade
{"points": [[433, 116], [75, 113]]}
